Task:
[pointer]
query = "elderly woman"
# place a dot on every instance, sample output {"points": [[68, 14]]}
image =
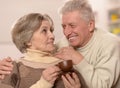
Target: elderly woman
{"points": [[33, 36]]}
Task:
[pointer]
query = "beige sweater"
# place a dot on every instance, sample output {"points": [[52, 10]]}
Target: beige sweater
{"points": [[46, 60], [28, 70], [101, 65]]}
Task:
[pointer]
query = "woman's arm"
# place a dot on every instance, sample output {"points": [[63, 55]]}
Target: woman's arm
{"points": [[48, 78]]}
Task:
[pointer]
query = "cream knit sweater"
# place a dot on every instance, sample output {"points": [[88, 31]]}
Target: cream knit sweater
{"points": [[100, 67]]}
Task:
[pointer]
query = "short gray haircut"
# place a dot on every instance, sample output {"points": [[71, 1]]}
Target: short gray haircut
{"points": [[82, 6], [24, 28]]}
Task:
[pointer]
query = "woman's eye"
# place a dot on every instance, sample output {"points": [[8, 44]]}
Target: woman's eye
{"points": [[51, 30], [44, 30]]}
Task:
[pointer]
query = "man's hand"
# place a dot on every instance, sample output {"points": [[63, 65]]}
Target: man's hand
{"points": [[69, 53], [6, 67]]}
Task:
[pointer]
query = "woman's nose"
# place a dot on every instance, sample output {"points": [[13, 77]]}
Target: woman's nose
{"points": [[51, 35]]}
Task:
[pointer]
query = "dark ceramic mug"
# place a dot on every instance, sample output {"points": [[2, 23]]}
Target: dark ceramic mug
{"points": [[66, 65]]}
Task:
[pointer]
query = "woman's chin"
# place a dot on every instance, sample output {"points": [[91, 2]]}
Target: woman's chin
{"points": [[52, 50]]}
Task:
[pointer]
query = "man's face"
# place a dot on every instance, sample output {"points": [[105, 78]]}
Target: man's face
{"points": [[77, 31]]}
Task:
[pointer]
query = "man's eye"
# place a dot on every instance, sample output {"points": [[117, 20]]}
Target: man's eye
{"points": [[63, 26], [73, 26]]}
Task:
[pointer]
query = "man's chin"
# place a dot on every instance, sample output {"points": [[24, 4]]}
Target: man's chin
{"points": [[74, 45]]}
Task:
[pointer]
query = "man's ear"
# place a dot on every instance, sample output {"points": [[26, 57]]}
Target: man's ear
{"points": [[91, 25]]}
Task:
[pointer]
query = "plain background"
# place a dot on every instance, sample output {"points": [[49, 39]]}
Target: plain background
{"points": [[11, 10]]}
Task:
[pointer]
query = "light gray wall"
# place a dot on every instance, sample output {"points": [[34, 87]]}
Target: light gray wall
{"points": [[11, 10]]}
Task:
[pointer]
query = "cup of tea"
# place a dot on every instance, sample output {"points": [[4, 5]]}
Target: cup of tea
{"points": [[66, 65]]}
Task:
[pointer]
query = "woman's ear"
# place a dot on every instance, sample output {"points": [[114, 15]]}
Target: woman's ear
{"points": [[91, 25], [29, 44]]}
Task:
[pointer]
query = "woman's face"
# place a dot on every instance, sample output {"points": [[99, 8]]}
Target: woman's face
{"points": [[43, 38]]}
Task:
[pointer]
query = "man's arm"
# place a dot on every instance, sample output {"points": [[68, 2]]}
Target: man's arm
{"points": [[102, 75], [6, 67]]}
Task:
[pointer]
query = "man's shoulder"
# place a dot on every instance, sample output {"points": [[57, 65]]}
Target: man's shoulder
{"points": [[108, 37]]}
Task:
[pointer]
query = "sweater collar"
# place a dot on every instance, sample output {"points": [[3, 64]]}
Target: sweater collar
{"points": [[39, 56], [89, 44]]}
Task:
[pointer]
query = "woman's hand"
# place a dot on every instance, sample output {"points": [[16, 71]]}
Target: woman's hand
{"points": [[71, 82], [5, 67], [51, 74]]}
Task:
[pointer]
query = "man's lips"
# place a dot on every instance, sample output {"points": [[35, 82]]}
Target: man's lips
{"points": [[72, 37]]}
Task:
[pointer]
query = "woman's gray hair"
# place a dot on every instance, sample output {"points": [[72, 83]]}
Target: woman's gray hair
{"points": [[24, 28], [82, 6]]}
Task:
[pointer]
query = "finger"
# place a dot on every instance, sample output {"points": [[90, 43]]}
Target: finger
{"points": [[6, 63], [75, 78], [8, 59], [53, 79], [66, 82], [6, 68], [77, 81], [54, 74], [55, 69], [51, 72], [2, 77], [60, 51], [70, 79], [59, 56], [5, 72]]}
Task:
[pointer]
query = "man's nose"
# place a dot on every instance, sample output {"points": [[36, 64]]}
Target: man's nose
{"points": [[67, 30]]}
